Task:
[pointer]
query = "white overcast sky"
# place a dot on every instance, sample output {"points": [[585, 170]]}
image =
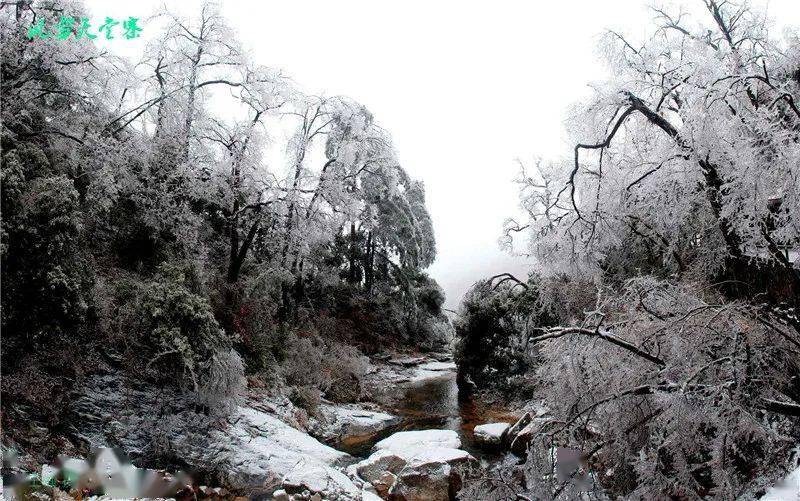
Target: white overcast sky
{"points": [[464, 87]]}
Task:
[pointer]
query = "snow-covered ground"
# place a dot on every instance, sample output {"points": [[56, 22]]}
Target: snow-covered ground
{"points": [[787, 490]]}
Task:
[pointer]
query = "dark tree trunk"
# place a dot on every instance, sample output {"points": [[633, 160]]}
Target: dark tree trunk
{"points": [[368, 273], [351, 276], [238, 254], [714, 193]]}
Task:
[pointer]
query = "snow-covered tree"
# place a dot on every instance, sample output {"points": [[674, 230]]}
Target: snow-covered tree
{"points": [[663, 242], [690, 151]]}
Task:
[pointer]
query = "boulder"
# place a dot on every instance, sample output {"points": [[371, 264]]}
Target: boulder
{"points": [[430, 475], [431, 483], [410, 470], [370, 496], [382, 468], [369, 493], [425, 438], [321, 480], [381, 461], [280, 495], [263, 449], [491, 435], [537, 413], [523, 438], [339, 422], [429, 455]]}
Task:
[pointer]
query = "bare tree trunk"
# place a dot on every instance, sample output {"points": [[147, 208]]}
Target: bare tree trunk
{"points": [[291, 210], [238, 255], [351, 276], [368, 262], [162, 98], [187, 127]]}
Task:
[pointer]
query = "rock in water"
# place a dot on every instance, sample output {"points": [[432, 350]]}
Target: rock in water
{"points": [[343, 421], [426, 438], [491, 435], [515, 428]]}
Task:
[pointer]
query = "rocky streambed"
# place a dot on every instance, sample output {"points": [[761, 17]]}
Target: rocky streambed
{"points": [[422, 393], [406, 443], [414, 446]]}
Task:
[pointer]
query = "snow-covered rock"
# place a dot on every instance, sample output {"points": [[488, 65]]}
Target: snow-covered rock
{"points": [[370, 494], [491, 434], [384, 460], [442, 357], [425, 455], [786, 490], [317, 478], [396, 460], [339, 422], [523, 438], [264, 448], [521, 423], [430, 475], [437, 366], [407, 361], [415, 465], [385, 482], [250, 449], [426, 438], [402, 371], [280, 495], [433, 370]]}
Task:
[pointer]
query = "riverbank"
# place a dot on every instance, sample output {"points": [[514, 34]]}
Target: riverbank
{"points": [[267, 443], [413, 433]]}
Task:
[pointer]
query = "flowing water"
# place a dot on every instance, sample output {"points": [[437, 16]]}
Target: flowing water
{"points": [[433, 403]]}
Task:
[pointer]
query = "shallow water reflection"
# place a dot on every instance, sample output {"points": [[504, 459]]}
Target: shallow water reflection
{"points": [[430, 403]]}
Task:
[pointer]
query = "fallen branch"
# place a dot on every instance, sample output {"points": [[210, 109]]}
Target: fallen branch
{"points": [[780, 407]]}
